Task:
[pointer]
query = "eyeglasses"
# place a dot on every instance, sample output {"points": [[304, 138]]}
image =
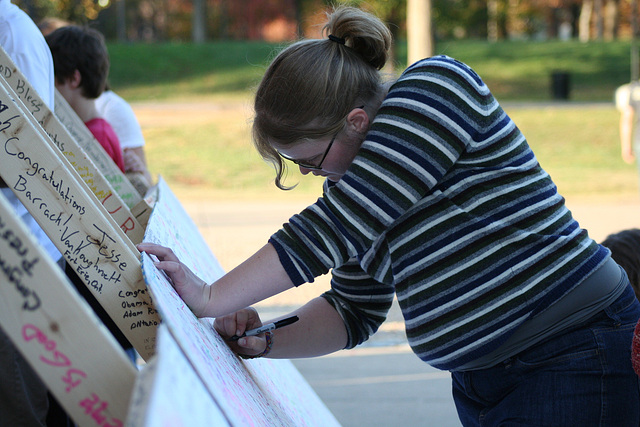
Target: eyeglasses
{"points": [[306, 165]]}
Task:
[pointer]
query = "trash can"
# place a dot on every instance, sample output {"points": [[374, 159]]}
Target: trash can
{"points": [[560, 83]]}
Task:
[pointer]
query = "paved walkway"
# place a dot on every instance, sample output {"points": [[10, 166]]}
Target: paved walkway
{"points": [[381, 383]]}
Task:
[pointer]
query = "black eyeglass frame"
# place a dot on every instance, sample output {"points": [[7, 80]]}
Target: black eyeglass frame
{"points": [[309, 165], [305, 165]]}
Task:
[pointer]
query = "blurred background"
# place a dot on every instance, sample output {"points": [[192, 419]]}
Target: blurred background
{"points": [[189, 69], [282, 20]]}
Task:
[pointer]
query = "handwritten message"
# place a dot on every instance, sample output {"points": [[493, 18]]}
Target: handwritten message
{"points": [[72, 377], [30, 98], [18, 274], [57, 332], [101, 254], [53, 357], [14, 81]]}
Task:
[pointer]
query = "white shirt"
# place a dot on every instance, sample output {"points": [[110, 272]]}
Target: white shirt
{"points": [[122, 119], [25, 44]]}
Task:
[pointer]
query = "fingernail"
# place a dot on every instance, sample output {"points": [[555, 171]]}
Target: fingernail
{"points": [[242, 342]]}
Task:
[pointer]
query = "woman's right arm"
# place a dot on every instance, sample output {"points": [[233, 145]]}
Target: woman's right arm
{"points": [[319, 331], [256, 279]]}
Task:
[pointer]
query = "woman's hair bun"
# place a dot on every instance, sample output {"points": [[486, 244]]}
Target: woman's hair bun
{"points": [[363, 32]]}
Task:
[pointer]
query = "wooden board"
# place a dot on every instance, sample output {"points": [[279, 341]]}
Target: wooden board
{"points": [[53, 327], [75, 154], [94, 150], [90, 240]]}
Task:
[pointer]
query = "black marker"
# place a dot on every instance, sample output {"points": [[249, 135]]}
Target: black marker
{"points": [[266, 328]]}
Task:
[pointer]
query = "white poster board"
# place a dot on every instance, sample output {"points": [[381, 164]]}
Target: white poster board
{"points": [[169, 393], [258, 392]]}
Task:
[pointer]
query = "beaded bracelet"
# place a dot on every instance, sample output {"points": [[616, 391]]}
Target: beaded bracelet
{"points": [[267, 349]]}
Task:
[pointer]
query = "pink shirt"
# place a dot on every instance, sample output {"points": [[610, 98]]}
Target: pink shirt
{"points": [[106, 136]]}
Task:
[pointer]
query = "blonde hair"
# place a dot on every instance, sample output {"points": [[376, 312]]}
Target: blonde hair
{"points": [[310, 87]]}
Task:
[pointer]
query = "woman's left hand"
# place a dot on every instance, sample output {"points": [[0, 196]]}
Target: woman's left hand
{"points": [[194, 291], [237, 324]]}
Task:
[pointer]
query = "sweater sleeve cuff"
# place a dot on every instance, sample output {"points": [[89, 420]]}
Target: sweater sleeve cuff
{"points": [[288, 264]]}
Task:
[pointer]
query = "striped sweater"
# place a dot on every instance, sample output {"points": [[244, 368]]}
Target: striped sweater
{"points": [[446, 206]]}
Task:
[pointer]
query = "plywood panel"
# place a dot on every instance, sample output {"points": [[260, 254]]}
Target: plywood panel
{"points": [[75, 154], [90, 240], [52, 326]]}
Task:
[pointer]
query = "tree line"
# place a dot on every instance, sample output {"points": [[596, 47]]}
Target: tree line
{"points": [[280, 20]]}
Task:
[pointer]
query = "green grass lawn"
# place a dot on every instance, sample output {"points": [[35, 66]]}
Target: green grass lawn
{"points": [[521, 70], [183, 71], [580, 149], [577, 144], [514, 70]]}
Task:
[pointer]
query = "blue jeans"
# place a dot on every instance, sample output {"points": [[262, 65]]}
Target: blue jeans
{"points": [[580, 377]]}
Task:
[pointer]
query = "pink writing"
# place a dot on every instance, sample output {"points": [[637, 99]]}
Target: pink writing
{"points": [[54, 358], [93, 406], [72, 377]]}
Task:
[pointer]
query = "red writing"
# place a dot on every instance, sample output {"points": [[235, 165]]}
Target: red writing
{"points": [[128, 223]]}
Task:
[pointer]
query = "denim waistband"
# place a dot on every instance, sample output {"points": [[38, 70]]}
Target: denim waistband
{"points": [[594, 294]]}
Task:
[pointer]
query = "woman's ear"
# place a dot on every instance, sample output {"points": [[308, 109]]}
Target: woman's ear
{"points": [[358, 120]]}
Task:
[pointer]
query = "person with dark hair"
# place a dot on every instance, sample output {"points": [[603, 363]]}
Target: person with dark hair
{"points": [[81, 67], [625, 250], [115, 110], [434, 196]]}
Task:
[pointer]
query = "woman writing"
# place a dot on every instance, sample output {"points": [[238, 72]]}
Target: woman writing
{"points": [[433, 195]]}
